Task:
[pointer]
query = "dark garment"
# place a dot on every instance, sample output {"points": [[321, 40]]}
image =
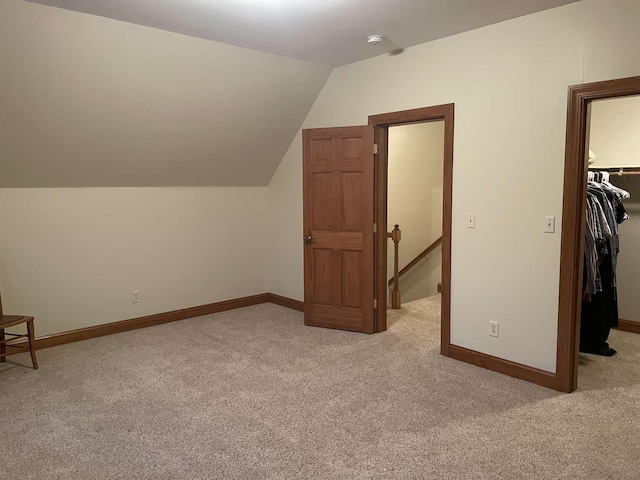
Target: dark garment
{"points": [[602, 245], [600, 314], [591, 278]]}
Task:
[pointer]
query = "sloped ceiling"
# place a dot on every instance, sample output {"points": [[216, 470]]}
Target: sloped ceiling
{"points": [[89, 101], [330, 32]]}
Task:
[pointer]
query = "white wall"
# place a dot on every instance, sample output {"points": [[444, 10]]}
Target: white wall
{"points": [[509, 83], [615, 132], [416, 164], [71, 257], [422, 280]]}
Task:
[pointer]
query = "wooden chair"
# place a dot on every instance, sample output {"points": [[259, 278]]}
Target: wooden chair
{"points": [[7, 321]]}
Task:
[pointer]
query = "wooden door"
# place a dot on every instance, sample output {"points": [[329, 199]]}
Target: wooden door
{"points": [[338, 182]]}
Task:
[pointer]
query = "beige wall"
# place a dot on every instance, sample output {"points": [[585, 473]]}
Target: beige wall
{"points": [[416, 160], [71, 257], [615, 132], [509, 83]]}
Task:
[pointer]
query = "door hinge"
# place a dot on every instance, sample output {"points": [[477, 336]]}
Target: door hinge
{"points": [[375, 148], [375, 303], [375, 228]]}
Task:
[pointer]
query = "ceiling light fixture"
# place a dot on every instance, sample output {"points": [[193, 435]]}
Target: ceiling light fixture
{"points": [[374, 39]]}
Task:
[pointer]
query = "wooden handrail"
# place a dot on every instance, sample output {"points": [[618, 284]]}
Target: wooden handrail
{"points": [[420, 256]]}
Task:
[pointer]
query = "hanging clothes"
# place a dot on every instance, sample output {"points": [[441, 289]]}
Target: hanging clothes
{"points": [[602, 244]]}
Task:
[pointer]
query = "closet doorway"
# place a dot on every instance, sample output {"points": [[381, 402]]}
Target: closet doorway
{"points": [[389, 129], [603, 126]]}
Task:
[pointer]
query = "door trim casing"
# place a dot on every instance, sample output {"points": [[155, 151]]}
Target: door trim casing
{"points": [[573, 218], [381, 124]]}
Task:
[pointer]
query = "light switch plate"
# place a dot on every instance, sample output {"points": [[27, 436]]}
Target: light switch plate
{"points": [[549, 224], [471, 220]]}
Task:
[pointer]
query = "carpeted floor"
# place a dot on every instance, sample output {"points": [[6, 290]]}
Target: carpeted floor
{"points": [[252, 393]]}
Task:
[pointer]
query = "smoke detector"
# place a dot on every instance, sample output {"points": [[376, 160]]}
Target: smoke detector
{"points": [[374, 39]]}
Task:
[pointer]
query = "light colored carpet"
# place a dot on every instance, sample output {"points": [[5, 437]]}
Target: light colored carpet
{"points": [[252, 393]]}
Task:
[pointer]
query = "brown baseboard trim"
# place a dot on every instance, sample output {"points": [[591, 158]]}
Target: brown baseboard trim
{"points": [[286, 302], [439, 288], [513, 369], [628, 326], [158, 319], [146, 321]]}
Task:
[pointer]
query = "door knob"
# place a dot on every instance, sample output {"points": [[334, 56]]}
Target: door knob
{"points": [[308, 239]]}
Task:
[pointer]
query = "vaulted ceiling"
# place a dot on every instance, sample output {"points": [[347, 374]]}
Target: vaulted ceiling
{"points": [[89, 101], [92, 101]]}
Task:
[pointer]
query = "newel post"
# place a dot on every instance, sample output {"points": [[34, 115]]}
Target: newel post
{"points": [[395, 293]]}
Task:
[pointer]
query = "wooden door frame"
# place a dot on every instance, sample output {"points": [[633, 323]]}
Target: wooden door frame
{"points": [[381, 124], [573, 219]]}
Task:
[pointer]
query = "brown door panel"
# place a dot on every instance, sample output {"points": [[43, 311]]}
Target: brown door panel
{"points": [[338, 184]]}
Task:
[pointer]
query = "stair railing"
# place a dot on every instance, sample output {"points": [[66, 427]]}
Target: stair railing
{"points": [[397, 274]]}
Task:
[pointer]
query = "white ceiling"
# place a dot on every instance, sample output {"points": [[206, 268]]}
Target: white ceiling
{"points": [[330, 32]]}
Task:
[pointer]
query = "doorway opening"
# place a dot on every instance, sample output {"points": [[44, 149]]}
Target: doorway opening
{"points": [[414, 211], [388, 130], [588, 307]]}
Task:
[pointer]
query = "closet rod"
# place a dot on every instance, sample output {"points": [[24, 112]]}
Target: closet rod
{"points": [[617, 171]]}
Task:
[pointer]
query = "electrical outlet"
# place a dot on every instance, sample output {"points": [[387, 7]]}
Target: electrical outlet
{"points": [[494, 329], [135, 296]]}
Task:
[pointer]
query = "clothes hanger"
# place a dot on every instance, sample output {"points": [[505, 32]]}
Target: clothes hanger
{"points": [[620, 191]]}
